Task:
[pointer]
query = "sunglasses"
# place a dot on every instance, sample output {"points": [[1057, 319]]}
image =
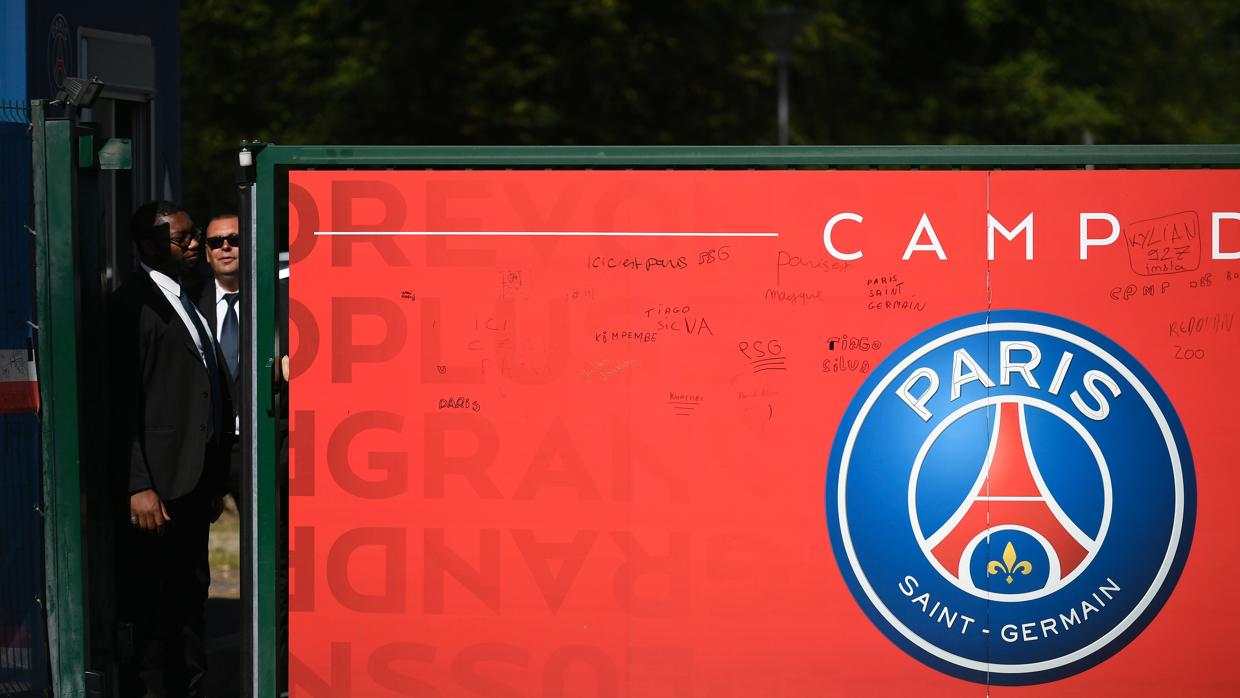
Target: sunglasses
{"points": [[218, 241], [186, 239]]}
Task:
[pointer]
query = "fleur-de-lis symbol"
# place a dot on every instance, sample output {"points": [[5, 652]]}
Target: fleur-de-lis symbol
{"points": [[1009, 564]]}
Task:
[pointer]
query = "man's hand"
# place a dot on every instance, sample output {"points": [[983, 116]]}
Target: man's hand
{"points": [[146, 511]]}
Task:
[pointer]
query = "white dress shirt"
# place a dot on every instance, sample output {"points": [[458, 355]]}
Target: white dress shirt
{"points": [[221, 306], [172, 291]]}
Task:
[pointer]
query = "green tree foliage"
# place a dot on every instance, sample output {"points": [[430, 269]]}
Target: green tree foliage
{"points": [[1021, 71], [558, 72]]}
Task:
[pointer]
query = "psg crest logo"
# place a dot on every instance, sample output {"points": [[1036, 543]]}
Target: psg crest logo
{"points": [[1011, 497]]}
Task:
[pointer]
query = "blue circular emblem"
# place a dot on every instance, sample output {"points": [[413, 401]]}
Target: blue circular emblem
{"points": [[1010, 497]]}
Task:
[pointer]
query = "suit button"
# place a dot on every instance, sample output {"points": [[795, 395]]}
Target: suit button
{"points": [[202, 427], [205, 394]]}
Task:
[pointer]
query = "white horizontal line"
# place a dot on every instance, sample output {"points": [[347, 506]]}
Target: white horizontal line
{"points": [[566, 233]]}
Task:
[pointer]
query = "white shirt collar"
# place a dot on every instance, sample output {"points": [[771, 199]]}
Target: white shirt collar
{"points": [[220, 292], [163, 280]]}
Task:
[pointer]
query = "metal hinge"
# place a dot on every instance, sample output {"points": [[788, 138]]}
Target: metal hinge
{"points": [[96, 685]]}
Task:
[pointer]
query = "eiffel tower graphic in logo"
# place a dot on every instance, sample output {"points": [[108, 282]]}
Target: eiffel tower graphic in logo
{"points": [[1010, 494]]}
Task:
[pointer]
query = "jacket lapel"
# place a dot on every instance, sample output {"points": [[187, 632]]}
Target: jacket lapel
{"points": [[172, 319], [206, 304]]}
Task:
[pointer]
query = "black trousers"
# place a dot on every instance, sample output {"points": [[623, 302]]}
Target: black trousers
{"points": [[162, 583]]}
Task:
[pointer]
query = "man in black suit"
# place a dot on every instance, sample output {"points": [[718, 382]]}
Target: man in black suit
{"points": [[218, 302], [172, 432]]}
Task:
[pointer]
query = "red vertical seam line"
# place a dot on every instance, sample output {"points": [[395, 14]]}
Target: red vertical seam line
{"points": [[989, 428]]}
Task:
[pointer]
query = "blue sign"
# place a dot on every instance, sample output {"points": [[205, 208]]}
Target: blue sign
{"points": [[1010, 497]]}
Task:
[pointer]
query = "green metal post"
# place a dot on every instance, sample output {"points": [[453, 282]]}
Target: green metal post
{"points": [[258, 530], [784, 157], [55, 204]]}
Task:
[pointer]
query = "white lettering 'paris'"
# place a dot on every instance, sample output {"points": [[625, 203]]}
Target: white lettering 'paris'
{"points": [[1016, 359]]}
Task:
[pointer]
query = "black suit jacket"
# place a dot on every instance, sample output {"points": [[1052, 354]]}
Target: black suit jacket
{"points": [[167, 437]]}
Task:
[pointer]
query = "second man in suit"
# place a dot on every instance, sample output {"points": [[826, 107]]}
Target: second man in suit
{"points": [[218, 301]]}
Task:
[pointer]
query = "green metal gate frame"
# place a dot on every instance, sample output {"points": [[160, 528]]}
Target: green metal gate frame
{"points": [[268, 173], [80, 634], [54, 163]]}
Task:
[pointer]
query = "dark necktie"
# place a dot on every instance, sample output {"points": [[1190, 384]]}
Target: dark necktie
{"points": [[209, 357], [230, 339]]}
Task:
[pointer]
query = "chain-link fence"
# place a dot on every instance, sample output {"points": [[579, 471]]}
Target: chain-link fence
{"points": [[23, 645]]}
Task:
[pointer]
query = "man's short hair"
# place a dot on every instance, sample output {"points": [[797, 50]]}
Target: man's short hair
{"points": [[143, 223], [218, 215]]}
